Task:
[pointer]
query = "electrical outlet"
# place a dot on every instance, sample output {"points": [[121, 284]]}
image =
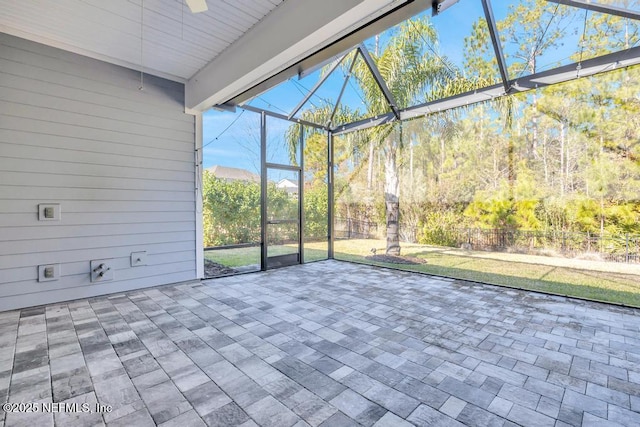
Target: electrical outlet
{"points": [[138, 258], [101, 270], [49, 212], [48, 273]]}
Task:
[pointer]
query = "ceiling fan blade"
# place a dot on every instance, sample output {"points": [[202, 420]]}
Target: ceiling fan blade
{"points": [[197, 6]]}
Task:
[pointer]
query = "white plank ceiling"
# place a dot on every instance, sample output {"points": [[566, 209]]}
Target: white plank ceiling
{"points": [[163, 37]]}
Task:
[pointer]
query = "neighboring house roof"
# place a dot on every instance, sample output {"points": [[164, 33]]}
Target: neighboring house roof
{"points": [[232, 174], [288, 185]]}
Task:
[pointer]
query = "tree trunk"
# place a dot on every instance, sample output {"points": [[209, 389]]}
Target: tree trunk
{"points": [[534, 119], [544, 159], [496, 167], [370, 166], [568, 181], [411, 165], [442, 154], [392, 198], [601, 223], [562, 160]]}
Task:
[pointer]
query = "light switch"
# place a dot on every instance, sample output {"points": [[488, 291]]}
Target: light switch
{"points": [[47, 273], [49, 212]]}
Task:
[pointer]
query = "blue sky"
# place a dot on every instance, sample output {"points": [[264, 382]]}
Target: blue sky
{"points": [[238, 146]]}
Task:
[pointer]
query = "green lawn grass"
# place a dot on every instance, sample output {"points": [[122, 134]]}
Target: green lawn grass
{"points": [[608, 286], [595, 285], [241, 257]]}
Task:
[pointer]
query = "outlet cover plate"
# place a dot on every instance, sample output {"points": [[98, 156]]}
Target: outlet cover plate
{"points": [[48, 273], [138, 258], [101, 270]]}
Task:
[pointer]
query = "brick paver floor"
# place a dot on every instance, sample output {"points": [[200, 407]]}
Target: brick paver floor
{"points": [[329, 344]]}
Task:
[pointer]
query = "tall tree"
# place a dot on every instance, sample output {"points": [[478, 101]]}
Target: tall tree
{"points": [[410, 68]]}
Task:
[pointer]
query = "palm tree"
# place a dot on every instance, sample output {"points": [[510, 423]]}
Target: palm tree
{"points": [[413, 72], [321, 114], [409, 70]]}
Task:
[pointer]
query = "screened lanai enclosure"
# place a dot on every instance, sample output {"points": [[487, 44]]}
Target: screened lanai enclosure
{"points": [[488, 141]]}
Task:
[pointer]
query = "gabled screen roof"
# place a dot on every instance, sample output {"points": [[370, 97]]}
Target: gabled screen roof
{"points": [[473, 51]]}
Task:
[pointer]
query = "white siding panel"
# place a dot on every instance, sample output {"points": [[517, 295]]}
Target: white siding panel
{"points": [[45, 83], [18, 247], [42, 127], [62, 231], [96, 218], [112, 153], [95, 205], [78, 71], [92, 121], [122, 271], [119, 161], [33, 96], [61, 179], [67, 257], [120, 267], [25, 274], [142, 179], [21, 158], [102, 196]]}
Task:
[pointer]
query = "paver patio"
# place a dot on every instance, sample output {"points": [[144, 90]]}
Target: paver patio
{"points": [[330, 344]]}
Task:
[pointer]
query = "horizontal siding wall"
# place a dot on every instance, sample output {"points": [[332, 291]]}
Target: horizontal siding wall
{"points": [[118, 160]]}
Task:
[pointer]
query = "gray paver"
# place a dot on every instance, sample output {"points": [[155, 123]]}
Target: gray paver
{"points": [[473, 415], [520, 396], [302, 346], [585, 403], [206, 398], [269, 412], [427, 416], [466, 392], [623, 416], [500, 406], [506, 375], [570, 415], [422, 392], [527, 417], [228, 415], [452, 407], [592, 421], [548, 407], [544, 388], [139, 418], [339, 420], [351, 403], [190, 419], [392, 420], [612, 396], [392, 400]]}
